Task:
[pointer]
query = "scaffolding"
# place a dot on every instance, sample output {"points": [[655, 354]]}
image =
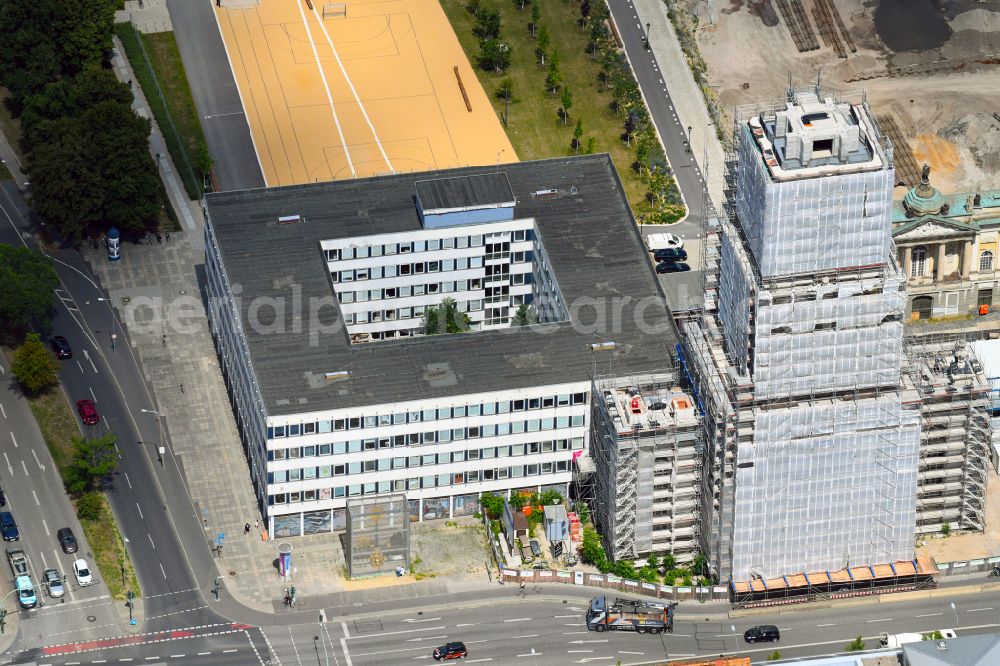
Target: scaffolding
{"points": [[378, 535], [646, 447]]}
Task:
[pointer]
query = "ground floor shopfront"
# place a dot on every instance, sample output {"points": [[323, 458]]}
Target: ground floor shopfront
{"points": [[334, 519]]}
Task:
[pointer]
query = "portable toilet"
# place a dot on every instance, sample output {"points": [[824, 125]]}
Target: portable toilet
{"points": [[114, 244]]}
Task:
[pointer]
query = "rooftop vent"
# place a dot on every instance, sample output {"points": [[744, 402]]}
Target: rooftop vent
{"points": [[544, 194], [337, 376], [607, 345], [289, 219]]}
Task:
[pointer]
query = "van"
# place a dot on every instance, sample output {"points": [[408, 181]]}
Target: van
{"points": [[26, 592]]}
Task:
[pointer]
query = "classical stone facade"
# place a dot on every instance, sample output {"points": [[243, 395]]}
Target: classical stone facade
{"points": [[947, 246]]}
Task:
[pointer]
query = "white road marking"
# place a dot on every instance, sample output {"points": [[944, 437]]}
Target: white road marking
{"points": [[429, 619], [599, 640], [467, 624], [128, 481], [79, 365], [35, 495], [92, 394], [86, 355], [832, 624], [165, 573], [347, 634], [424, 638], [139, 509], [229, 651], [479, 661], [978, 610], [531, 654], [3, 411], [13, 440], [883, 619], [10, 469], [37, 461], [46, 526], [25, 466], [203, 654], [343, 648], [929, 615], [519, 619], [579, 651], [527, 636], [152, 544], [45, 565], [624, 652], [326, 87]]}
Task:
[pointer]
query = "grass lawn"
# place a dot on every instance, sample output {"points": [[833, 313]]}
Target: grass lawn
{"points": [[59, 426], [189, 140], [535, 128]]}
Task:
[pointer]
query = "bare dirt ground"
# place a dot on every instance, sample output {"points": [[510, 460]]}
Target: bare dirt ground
{"points": [[943, 98], [959, 547], [454, 548]]}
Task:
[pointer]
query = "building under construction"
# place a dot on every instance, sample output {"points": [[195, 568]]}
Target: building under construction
{"points": [[645, 444], [829, 444]]}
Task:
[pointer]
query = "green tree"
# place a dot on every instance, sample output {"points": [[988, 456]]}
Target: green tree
{"points": [[577, 135], [93, 459], [506, 89], [525, 316], [550, 497], [542, 50], [488, 23], [33, 365], [945, 529], [492, 505], [591, 145], [445, 318], [591, 550], [669, 561], [495, 55], [699, 564], [518, 501], [90, 507], [536, 16], [567, 104], [857, 645], [27, 284], [625, 569], [553, 79], [774, 656]]}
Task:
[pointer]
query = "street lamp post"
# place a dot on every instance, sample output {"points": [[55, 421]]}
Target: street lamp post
{"points": [[645, 37], [124, 555], [732, 628], [955, 611]]}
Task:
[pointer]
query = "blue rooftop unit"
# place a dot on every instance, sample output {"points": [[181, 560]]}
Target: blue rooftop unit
{"points": [[475, 199]]}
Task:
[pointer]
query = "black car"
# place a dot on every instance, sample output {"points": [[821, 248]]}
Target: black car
{"points": [[450, 651], [8, 528], [764, 633], [61, 347], [672, 267], [671, 254], [67, 540]]}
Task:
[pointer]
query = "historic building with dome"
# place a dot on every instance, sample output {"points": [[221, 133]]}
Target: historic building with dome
{"points": [[948, 247]]}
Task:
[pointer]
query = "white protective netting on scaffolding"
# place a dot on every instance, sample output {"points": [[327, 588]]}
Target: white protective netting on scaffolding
{"points": [[840, 336], [827, 485], [812, 224]]}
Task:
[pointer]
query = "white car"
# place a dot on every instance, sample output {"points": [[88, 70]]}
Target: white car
{"points": [[82, 571], [663, 241]]}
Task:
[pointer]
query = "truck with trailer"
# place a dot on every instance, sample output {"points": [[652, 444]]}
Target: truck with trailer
{"points": [[18, 562], [642, 617]]}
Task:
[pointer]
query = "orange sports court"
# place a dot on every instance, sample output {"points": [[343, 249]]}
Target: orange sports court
{"points": [[356, 88]]}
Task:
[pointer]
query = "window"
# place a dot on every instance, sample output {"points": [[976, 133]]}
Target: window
{"points": [[918, 261], [986, 261]]}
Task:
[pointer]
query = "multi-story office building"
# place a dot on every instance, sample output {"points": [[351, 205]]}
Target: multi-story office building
{"points": [[319, 297], [812, 440]]}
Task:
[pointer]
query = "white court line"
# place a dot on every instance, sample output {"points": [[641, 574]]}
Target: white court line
{"points": [[326, 87], [354, 92]]}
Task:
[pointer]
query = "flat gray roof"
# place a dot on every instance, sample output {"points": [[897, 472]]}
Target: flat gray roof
{"points": [[481, 189], [588, 233]]}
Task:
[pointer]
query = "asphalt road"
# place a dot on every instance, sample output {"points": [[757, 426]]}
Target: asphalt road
{"points": [[154, 534], [542, 631], [216, 96]]}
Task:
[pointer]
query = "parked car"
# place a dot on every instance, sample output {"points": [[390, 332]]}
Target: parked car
{"points": [[659, 241], [26, 592], [454, 650], [8, 528], [61, 347], [536, 550], [54, 582], [88, 412], [82, 572], [672, 267], [764, 633], [671, 254], [67, 540]]}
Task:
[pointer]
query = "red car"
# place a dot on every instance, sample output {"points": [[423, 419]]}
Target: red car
{"points": [[88, 412]]}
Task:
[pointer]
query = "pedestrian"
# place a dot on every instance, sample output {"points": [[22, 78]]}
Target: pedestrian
{"points": [[167, 236], [246, 529], [256, 525], [218, 3], [159, 238], [140, 4], [164, 339], [182, 387], [130, 84]]}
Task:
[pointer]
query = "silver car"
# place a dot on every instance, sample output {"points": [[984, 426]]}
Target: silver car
{"points": [[53, 581]]}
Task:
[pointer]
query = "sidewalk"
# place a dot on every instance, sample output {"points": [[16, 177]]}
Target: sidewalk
{"points": [[688, 101]]}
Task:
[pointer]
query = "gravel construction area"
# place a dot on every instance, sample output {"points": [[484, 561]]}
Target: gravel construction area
{"points": [[455, 548]]}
